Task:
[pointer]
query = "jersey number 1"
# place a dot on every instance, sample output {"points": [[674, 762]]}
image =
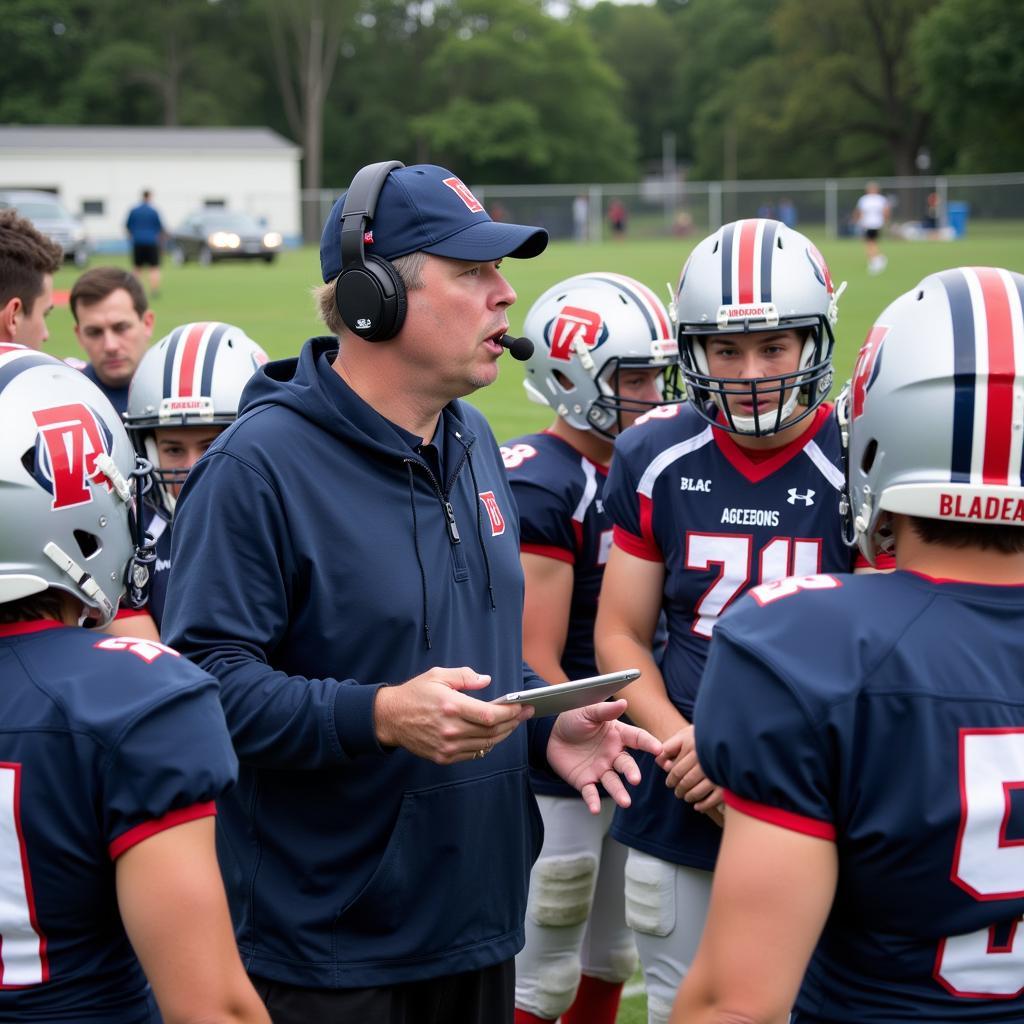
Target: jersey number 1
{"points": [[988, 865], [22, 944]]}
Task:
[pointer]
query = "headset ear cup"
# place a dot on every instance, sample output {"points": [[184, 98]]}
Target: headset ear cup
{"points": [[371, 299]]}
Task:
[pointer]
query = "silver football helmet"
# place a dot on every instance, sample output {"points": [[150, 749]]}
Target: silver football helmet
{"points": [[66, 488], [756, 275], [585, 331], [935, 409], [193, 377]]}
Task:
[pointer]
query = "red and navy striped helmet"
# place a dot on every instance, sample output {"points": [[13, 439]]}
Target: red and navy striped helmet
{"points": [[587, 330], [756, 275], [193, 377], [936, 406]]}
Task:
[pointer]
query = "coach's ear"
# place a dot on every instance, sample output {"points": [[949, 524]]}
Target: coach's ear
{"points": [[9, 317]]}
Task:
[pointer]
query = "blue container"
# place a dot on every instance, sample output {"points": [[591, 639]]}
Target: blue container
{"points": [[957, 215]]}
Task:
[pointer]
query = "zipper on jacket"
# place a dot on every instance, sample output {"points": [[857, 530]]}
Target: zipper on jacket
{"points": [[461, 568]]}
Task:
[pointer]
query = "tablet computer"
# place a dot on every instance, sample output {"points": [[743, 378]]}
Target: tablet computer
{"points": [[578, 693]]}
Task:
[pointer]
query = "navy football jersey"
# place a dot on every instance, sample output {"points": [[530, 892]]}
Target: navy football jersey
{"points": [[561, 514], [686, 494], [104, 741], [886, 714]]}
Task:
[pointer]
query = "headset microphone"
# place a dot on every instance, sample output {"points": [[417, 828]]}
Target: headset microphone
{"points": [[518, 348]]}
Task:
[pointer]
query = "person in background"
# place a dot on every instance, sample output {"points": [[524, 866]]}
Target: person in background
{"points": [[146, 231], [602, 343], [113, 324], [872, 214], [28, 261], [869, 730]]}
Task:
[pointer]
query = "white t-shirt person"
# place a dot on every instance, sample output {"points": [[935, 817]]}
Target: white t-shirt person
{"points": [[872, 208]]}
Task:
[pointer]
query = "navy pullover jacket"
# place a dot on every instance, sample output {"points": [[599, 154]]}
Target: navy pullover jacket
{"points": [[315, 558]]}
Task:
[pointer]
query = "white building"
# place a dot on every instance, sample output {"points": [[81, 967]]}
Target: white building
{"points": [[99, 172]]}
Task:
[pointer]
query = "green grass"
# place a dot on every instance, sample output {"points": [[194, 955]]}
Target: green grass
{"points": [[274, 303]]}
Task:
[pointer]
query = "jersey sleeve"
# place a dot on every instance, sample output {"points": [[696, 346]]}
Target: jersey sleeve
{"points": [[545, 521], [757, 740], [168, 766], [629, 510]]}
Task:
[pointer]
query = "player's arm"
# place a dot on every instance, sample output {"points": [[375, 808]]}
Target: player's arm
{"points": [[771, 895], [627, 616], [549, 584], [172, 902], [138, 624]]}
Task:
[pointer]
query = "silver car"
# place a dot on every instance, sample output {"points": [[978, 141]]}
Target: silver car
{"points": [[51, 217]]}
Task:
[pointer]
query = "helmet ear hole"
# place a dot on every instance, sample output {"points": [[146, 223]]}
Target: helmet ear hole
{"points": [[868, 459], [88, 543], [28, 459]]}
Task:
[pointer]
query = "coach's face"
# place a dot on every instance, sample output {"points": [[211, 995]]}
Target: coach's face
{"points": [[451, 330]]}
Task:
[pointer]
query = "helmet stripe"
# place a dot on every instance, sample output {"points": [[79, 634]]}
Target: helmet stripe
{"points": [[745, 261], [210, 360], [1002, 373], [962, 315], [643, 306], [172, 349], [189, 357], [727, 233], [11, 368], [767, 251]]}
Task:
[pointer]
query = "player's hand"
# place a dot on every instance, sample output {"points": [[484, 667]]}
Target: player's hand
{"points": [[686, 778], [428, 716], [588, 747]]}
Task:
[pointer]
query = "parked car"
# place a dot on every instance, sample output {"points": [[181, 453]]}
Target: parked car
{"points": [[223, 235], [52, 218]]}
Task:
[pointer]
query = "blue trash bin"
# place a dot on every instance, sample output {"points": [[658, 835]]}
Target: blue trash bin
{"points": [[957, 215]]}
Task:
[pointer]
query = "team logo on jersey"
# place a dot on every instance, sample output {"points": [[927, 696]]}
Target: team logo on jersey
{"points": [[147, 650], [571, 327], [869, 362], [472, 203], [493, 513], [794, 496], [689, 483], [69, 440], [820, 267], [514, 455]]}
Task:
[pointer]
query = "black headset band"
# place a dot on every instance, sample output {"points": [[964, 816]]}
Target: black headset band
{"points": [[360, 206]]}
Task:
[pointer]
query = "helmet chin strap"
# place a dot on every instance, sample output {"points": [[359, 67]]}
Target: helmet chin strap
{"points": [[153, 455]]}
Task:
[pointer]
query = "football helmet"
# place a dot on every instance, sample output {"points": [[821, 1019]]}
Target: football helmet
{"points": [[756, 275], [66, 489], [585, 331], [193, 377], [935, 409]]}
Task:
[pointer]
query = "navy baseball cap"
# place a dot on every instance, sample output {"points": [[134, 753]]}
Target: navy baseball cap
{"points": [[425, 208]]}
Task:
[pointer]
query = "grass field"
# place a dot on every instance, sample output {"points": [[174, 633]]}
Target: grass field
{"points": [[274, 305]]}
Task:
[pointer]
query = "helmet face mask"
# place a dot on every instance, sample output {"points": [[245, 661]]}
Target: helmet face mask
{"points": [[70, 483], [590, 331], [751, 277], [191, 378], [918, 445]]}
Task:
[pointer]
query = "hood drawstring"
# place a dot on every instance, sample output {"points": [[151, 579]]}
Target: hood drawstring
{"points": [[419, 557], [480, 532]]}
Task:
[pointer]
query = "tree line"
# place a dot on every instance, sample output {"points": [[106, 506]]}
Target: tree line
{"points": [[545, 90]]}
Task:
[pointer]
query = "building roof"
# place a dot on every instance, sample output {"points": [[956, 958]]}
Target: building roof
{"points": [[60, 136]]}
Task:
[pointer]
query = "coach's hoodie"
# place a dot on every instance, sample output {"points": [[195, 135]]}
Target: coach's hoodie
{"points": [[316, 557]]}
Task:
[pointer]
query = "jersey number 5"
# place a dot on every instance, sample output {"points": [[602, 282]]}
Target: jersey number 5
{"points": [[22, 944], [732, 553], [987, 865]]}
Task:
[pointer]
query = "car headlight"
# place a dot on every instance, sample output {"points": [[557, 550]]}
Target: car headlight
{"points": [[224, 240], [272, 239]]}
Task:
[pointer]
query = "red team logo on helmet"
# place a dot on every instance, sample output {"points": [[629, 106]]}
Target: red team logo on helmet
{"points": [[69, 440], [472, 203], [821, 271], [868, 364], [571, 325]]}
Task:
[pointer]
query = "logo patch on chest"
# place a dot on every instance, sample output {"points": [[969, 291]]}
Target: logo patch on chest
{"points": [[689, 483], [493, 513], [806, 499]]}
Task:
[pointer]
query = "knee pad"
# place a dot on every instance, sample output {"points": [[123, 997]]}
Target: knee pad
{"points": [[563, 890], [620, 965], [557, 982], [650, 895]]}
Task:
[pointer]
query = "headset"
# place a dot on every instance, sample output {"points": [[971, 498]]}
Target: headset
{"points": [[369, 294]]}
